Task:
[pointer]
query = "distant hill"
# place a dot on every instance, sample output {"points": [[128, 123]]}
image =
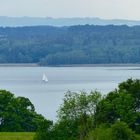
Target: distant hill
{"points": [[81, 44], [34, 21]]}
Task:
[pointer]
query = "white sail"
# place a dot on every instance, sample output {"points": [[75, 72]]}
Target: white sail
{"points": [[44, 78]]}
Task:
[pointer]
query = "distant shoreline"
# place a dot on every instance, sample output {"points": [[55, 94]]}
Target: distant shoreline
{"points": [[98, 65], [72, 65], [19, 65]]}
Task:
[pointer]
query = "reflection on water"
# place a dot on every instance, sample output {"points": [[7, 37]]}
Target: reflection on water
{"points": [[27, 82]]}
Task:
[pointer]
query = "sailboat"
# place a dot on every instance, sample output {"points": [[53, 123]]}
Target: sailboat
{"points": [[44, 78]]}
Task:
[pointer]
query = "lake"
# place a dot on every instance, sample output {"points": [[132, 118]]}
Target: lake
{"points": [[47, 97]]}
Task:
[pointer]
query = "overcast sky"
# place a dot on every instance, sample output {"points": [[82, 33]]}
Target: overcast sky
{"points": [[108, 9]]}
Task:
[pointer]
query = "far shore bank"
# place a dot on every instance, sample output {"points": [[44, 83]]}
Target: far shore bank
{"points": [[71, 65], [19, 65], [97, 65]]}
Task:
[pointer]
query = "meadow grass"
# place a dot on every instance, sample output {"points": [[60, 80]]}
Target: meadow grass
{"points": [[16, 136]]}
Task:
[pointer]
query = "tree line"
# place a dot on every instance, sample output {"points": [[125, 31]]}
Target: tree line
{"points": [[81, 44], [81, 116], [93, 116]]}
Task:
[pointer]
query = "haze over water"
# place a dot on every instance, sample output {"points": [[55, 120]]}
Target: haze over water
{"points": [[47, 97]]}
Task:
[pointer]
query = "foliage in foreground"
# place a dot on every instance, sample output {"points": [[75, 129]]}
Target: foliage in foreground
{"points": [[44, 131], [84, 116], [122, 104], [17, 114], [117, 131]]}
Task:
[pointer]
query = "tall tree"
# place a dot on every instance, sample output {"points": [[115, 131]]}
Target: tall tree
{"points": [[17, 113], [76, 115]]}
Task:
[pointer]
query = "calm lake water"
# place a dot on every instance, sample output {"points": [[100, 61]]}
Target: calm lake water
{"points": [[27, 82]]}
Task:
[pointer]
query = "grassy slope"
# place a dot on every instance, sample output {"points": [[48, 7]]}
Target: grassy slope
{"points": [[16, 136], [25, 136]]}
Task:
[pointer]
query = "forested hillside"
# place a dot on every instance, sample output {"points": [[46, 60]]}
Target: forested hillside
{"points": [[85, 44]]}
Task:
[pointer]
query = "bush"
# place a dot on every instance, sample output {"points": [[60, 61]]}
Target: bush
{"points": [[120, 131], [100, 133], [44, 131]]}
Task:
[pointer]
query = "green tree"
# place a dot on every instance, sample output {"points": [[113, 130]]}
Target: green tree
{"points": [[121, 104], [121, 131], [76, 114], [100, 133], [117, 131], [44, 131], [17, 113], [131, 87]]}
